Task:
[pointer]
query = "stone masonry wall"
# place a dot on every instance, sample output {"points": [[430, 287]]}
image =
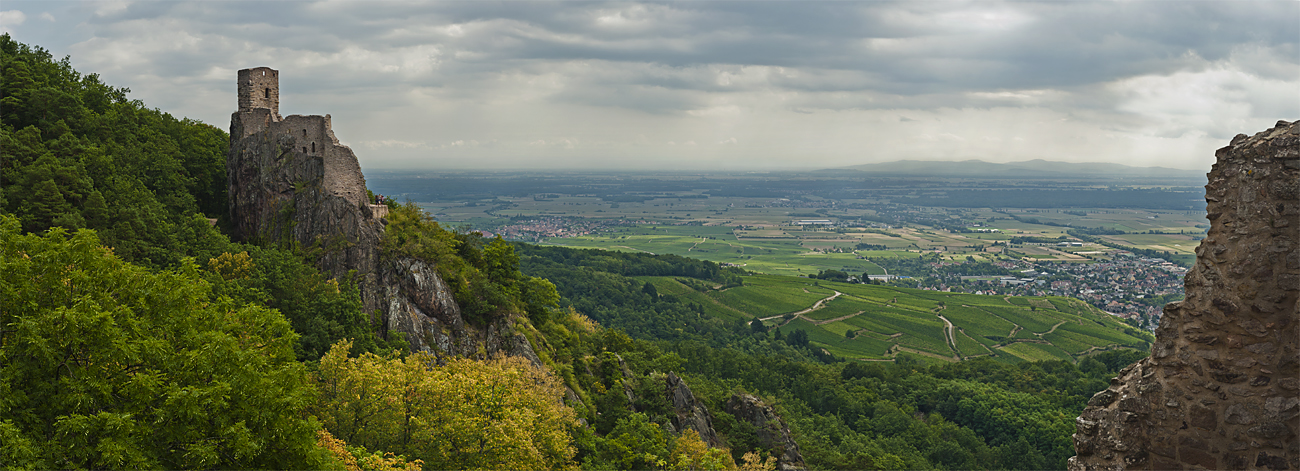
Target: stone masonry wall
{"points": [[259, 88], [1221, 389], [292, 183]]}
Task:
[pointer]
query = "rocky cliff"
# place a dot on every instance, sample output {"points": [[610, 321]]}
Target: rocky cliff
{"points": [[772, 431], [689, 412], [1221, 389], [292, 183]]}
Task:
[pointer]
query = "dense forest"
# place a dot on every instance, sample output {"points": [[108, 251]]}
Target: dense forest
{"points": [[135, 334]]}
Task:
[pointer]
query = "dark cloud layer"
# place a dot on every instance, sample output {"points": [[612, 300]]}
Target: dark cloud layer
{"points": [[724, 83]]}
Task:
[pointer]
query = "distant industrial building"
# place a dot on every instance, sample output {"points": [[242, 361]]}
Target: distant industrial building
{"points": [[813, 222]]}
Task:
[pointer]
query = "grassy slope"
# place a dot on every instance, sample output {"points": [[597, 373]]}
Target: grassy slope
{"points": [[887, 320]]}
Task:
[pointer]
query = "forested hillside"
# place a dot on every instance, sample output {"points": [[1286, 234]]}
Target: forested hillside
{"points": [[135, 334], [977, 414]]}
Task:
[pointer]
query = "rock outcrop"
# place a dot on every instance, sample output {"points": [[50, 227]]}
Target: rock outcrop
{"points": [[292, 183], [689, 412], [772, 431], [1221, 389], [417, 303]]}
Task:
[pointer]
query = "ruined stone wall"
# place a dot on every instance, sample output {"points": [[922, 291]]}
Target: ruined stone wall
{"points": [[315, 137], [1221, 389], [291, 183], [282, 192]]}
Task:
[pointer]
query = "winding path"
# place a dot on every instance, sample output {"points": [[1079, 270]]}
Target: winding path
{"points": [[634, 248], [702, 240], [1053, 329], [948, 335], [828, 321], [815, 306]]}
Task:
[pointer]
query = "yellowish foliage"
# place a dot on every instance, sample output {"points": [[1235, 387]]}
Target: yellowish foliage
{"points": [[692, 454], [754, 462], [368, 461], [586, 323], [338, 449], [502, 413], [230, 266]]}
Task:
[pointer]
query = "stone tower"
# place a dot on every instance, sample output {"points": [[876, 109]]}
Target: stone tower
{"points": [[260, 88]]}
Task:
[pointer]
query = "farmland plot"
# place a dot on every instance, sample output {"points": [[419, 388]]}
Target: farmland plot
{"points": [[977, 322]]}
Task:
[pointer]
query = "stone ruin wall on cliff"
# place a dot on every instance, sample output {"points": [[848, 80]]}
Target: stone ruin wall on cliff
{"points": [[292, 182], [259, 111], [1221, 389]]}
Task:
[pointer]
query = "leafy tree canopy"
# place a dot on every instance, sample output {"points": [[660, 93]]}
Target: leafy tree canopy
{"points": [[502, 413], [109, 365]]}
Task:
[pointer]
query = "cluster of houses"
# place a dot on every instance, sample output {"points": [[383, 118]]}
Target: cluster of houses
{"points": [[1125, 286], [533, 230]]}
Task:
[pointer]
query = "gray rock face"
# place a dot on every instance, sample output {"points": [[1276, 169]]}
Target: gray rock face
{"points": [[421, 306], [281, 194], [772, 431], [1221, 389], [690, 413], [292, 183]]}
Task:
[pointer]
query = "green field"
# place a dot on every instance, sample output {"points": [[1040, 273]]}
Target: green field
{"points": [[1036, 351], [840, 307], [969, 347], [888, 320], [803, 253], [766, 296], [761, 237], [670, 286], [761, 234]]}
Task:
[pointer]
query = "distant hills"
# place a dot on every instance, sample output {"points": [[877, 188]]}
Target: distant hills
{"points": [[1029, 168]]}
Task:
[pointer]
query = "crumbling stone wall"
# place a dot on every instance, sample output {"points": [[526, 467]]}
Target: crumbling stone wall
{"points": [[292, 183], [1221, 389]]}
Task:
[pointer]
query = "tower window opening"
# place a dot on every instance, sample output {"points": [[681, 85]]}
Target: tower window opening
{"points": [[304, 149], [313, 147], [268, 93], [304, 133]]}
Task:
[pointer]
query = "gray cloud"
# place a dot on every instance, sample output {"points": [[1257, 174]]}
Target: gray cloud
{"points": [[612, 83]]}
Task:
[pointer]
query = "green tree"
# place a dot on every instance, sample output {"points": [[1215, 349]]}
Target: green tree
{"points": [[321, 310], [46, 204], [649, 289], [501, 413], [108, 365], [798, 338], [96, 211], [539, 298]]}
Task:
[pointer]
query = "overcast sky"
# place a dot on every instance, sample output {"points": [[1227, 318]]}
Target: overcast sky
{"points": [[728, 85]]}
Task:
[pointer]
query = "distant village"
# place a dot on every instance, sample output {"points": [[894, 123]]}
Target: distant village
{"points": [[1118, 282], [1125, 286], [536, 229]]}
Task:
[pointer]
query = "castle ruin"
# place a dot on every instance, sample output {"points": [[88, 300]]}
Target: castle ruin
{"points": [[292, 184], [259, 111]]}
